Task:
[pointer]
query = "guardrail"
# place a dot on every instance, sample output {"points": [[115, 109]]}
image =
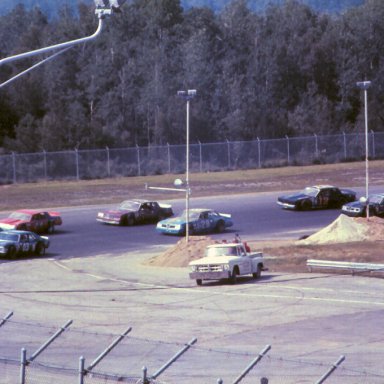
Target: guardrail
{"points": [[345, 265]]}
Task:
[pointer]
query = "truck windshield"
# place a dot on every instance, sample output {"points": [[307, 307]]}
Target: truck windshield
{"points": [[221, 251]]}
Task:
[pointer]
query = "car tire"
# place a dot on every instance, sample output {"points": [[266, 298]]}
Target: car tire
{"points": [[51, 228], [257, 274], [305, 205], [11, 252], [220, 227], [40, 249], [199, 282], [131, 220]]}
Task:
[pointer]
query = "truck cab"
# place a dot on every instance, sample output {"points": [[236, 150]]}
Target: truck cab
{"points": [[226, 261]]}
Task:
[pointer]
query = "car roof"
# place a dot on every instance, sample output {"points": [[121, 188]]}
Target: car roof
{"points": [[322, 186], [29, 211], [17, 232], [199, 210], [140, 201]]}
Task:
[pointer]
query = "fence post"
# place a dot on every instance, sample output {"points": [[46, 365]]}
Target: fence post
{"points": [[259, 151], [108, 163], [345, 146], [45, 163], [138, 160], [77, 164], [169, 158], [14, 167], [145, 378], [288, 150], [81, 370], [316, 146], [228, 154], [23, 364], [373, 144]]}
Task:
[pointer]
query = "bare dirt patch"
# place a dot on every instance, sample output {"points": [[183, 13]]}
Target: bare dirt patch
{"points": [[346, 239]]}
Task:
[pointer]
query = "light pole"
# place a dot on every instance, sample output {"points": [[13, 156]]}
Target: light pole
{"points": [[103, 9], [188, 96], [364, 85]]}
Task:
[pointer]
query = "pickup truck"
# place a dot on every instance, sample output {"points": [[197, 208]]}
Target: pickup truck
{"points": [[226, 261]]}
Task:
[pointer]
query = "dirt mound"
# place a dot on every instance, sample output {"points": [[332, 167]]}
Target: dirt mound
{"points": [[347, 229], [182, 252]]}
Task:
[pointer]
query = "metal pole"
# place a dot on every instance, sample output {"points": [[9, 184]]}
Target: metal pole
{"points": [[33, 67], [252, 364], [288, 150], [14, 166], [81, 370], [53, 47], [334, 366], [366, 152], [7, 316], [108, 162], [187, 178], [173, 359], [77, 164], [109, 349], [23, 364], [138, 160], [51, 339]]}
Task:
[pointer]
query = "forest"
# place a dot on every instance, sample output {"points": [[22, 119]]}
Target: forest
{"points": [[289, 71]]}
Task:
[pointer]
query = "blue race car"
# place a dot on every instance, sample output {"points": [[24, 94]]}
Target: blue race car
{"points": [[358, 208], [13, 243], [200, 221]]}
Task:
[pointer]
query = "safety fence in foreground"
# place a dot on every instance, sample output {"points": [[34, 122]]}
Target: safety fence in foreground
{"points": [[124, 358]]}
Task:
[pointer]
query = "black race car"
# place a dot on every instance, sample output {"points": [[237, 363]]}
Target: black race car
{"points": [[317, 197], [14, 243], [131, 212], [358, 208]]}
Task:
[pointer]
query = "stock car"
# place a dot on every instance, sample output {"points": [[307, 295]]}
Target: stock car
{"points": [[317, 197], [131, 212], [32, 220], [14, 243], [358, 208], [200, 221]]}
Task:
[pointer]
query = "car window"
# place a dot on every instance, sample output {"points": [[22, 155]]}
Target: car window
{"points": [[9, 236], [310, 191], [20, 216]]}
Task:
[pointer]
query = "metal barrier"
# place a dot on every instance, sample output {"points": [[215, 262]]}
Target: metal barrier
{"points": [[344, 265]]}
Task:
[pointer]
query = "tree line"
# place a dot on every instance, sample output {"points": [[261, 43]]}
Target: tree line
{"points": [[288, 71]]}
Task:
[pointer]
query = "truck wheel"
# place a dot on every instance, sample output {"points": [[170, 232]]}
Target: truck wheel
{"points": [[199, 282], [257, 274], [233, 277]]}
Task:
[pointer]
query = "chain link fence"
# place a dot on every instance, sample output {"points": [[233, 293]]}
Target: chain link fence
{"points": [[204, 157], [136, 360]]}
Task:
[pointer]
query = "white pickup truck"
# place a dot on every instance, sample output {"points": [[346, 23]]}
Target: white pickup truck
{"points": [[226, 261]]}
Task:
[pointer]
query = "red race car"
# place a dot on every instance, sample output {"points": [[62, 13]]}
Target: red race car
{"points": [[32, 220]]}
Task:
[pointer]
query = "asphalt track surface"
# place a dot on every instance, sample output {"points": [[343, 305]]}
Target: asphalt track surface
{"points": [[94, 275], [256, 217]]}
